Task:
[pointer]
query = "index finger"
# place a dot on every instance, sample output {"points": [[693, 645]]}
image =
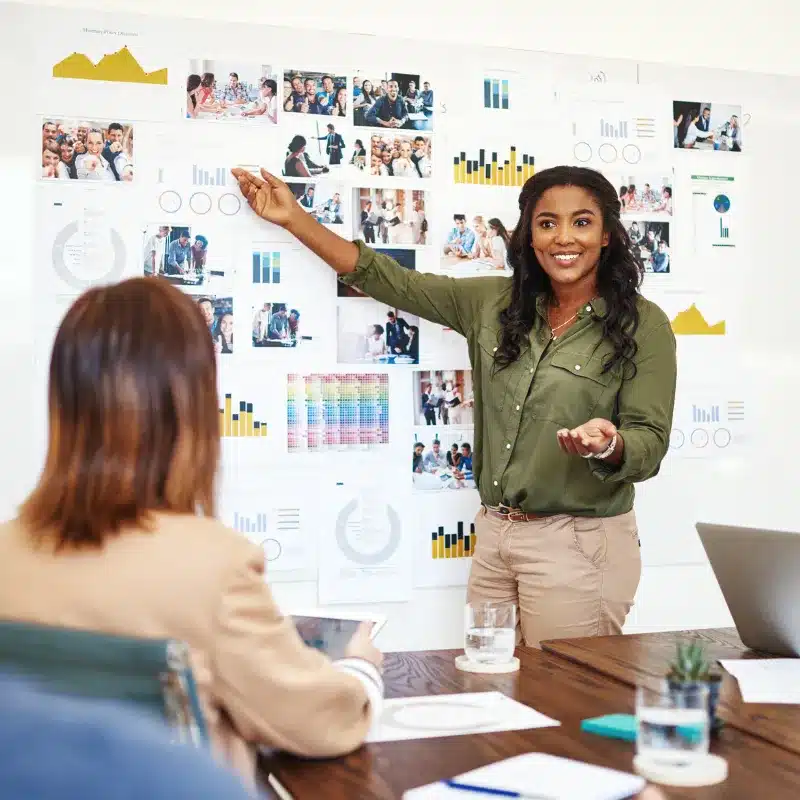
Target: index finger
{"points": [[242, 174]]}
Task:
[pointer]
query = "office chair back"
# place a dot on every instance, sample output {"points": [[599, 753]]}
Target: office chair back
{"points": [[153, 674]]}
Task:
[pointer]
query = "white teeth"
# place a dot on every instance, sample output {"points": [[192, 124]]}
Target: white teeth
{"points": [[567, 258]]}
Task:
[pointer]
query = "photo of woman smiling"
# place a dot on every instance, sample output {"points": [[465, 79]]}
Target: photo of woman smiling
{"points": [[574, 386]]}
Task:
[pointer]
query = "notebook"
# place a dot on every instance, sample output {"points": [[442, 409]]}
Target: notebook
{"points": [[539, 775]]}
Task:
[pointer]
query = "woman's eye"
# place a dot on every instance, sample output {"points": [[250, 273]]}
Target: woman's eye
{"points": [[582, 222]]}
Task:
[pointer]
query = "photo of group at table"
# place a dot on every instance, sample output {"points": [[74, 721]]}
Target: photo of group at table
{"points": [[276, 325], [321, 200], [82, 150], [476, 244], [644, 194], [390, 216], [369, 332], [443, 397], [225, 91], [172, 252], [392, 100], [650, 244], [315, 93], [442, 460]]}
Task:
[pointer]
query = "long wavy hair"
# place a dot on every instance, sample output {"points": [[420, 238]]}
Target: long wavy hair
{"points": [[619, 275]]}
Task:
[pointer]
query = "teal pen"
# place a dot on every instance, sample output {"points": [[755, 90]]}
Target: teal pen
{"points": [[488, 790]]}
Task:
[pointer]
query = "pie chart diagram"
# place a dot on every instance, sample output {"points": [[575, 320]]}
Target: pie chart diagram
{"points": [[722, 203], [67, 272], [351, 551]]}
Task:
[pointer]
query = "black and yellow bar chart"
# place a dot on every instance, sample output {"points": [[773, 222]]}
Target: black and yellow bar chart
{"points": [[453, 545], [492, 169], [239, 424]]}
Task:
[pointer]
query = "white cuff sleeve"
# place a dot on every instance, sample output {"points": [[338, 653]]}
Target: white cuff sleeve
{"points": [[370, 679]]}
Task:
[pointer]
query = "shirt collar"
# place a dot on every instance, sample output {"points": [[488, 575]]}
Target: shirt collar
{"points": [[598, 306]]}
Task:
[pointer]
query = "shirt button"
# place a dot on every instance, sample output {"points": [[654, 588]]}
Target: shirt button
{"points": [[577, 368], [494, 349], [508, 446], [517, 408], [531, 369], [495, 483], [588, 308]]}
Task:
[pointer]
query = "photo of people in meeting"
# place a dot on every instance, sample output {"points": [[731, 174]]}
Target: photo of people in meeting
{"points": [[324, 200], [227, 91], [218, 314], [392, 100], [318, 150], [476, 244], [442, 459], [390, 216], [316, 93], [650, 244], [277, 325], [644, 194], [370, 333], [403, 256], [707, 126], [86, 150], [443, 397], [401, 156], [178, 254]]}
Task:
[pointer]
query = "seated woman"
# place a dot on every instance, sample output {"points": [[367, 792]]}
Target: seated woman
{"points": [[120, 534]]}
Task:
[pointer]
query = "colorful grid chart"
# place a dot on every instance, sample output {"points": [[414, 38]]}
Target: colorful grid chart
{"points": [[337, 412], [453, 545]]}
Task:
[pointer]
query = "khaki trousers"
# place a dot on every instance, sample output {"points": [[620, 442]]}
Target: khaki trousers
{"points": [[568, 576]]}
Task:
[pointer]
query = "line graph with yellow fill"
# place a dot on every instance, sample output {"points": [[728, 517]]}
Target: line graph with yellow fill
{"points": [[119, 67]]}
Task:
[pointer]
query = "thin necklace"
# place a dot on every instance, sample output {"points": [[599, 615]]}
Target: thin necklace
{"points": [[566, 322]]}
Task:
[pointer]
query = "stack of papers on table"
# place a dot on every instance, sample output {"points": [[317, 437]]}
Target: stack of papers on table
{"points": [[766, 680], [537, 775]]}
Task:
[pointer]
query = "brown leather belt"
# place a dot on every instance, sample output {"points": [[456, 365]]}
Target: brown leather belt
{"points": [[513, 514]]}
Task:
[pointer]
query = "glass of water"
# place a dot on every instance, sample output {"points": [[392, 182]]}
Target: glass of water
{"points": [[490, 630], [672, 723]]}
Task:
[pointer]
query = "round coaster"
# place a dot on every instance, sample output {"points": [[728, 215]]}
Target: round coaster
{"points": [[697, 770], [465, 665]]}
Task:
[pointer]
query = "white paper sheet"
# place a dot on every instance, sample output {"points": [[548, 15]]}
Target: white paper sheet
{"points": [[767, 680], [453, 715], [540, 775]]}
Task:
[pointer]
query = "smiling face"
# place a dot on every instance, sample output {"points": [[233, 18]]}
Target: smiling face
{"points": [[568, 235]]}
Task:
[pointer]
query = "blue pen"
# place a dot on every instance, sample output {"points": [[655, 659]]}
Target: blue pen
{"points": [[470, 787]]}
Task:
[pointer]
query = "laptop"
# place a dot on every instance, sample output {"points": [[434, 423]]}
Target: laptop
{"points": [[758, 572]]}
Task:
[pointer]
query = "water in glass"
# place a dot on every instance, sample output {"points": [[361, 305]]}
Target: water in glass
{"points": [[490, 634]]}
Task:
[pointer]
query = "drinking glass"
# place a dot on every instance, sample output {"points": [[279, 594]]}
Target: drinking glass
{"points": [[672, 723], [490, 632]]}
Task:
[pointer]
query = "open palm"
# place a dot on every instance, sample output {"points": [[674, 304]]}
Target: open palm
{"points": [[268, 196]]}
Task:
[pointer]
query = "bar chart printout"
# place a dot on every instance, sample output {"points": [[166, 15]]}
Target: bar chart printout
{"points": [[705, 415], [266, 267], [495, 93], [493, 168], [453, 545], [245, 524], [204, 177], [239, 424], [611, 130]]}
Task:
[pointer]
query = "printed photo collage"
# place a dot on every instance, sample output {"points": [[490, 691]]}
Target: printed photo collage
{"points": [[360, 150]]}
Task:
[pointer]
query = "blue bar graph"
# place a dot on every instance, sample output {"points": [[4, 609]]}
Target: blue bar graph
{"points": [[705, 415], [266, 267], [247, 525], [495, 93]]}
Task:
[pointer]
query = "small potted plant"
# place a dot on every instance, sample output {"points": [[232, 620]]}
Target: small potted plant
{"points": [[691, 668]]}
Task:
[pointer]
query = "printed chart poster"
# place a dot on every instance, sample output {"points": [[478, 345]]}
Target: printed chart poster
{"points": [[709, 422], [277, 524], [714, 208], [365, 558], [84, 239], [444, 539]]}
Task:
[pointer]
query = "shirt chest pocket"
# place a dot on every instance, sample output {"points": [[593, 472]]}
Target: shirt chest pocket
{"points": [[579, 389]]}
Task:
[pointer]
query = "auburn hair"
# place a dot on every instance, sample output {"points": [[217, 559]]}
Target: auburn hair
{"points": [[133, 415]]}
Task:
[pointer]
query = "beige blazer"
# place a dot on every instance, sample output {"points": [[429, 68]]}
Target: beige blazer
{"points": [[195, 580]]}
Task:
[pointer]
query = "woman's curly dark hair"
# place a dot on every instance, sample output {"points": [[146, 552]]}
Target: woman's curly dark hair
{"points": [[619, 275]]}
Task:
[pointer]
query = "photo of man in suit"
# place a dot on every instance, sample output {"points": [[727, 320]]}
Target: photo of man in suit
{"points": [[334, 145]]}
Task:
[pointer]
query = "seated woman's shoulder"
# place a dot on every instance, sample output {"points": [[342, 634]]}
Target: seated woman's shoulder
{"points": [[207, 532]]}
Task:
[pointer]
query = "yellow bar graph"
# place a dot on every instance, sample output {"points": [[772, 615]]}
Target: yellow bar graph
{"points": [[453, 545], [491, 169], [241, 424]]}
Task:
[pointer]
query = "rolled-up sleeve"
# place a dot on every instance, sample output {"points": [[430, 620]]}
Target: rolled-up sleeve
{"points": [[646, 404], [446, 301]]}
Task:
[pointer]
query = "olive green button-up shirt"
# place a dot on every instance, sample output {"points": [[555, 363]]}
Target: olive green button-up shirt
{"points": [[554, 384]]}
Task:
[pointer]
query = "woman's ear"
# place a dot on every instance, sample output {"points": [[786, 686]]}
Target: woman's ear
{"points": [[606, 239]]}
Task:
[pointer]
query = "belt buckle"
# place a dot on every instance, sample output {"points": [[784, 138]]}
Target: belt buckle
{"points": [[503, 510], [517, 516]]}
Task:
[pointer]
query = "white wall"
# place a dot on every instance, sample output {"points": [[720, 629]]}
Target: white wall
{"points": [[677, 587]]}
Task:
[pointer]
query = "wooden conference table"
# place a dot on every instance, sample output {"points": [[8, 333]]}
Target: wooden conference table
{"points": [[570, 680]]}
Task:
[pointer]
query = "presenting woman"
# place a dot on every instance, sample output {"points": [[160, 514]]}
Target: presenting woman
{"points": [[574, 385]]}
